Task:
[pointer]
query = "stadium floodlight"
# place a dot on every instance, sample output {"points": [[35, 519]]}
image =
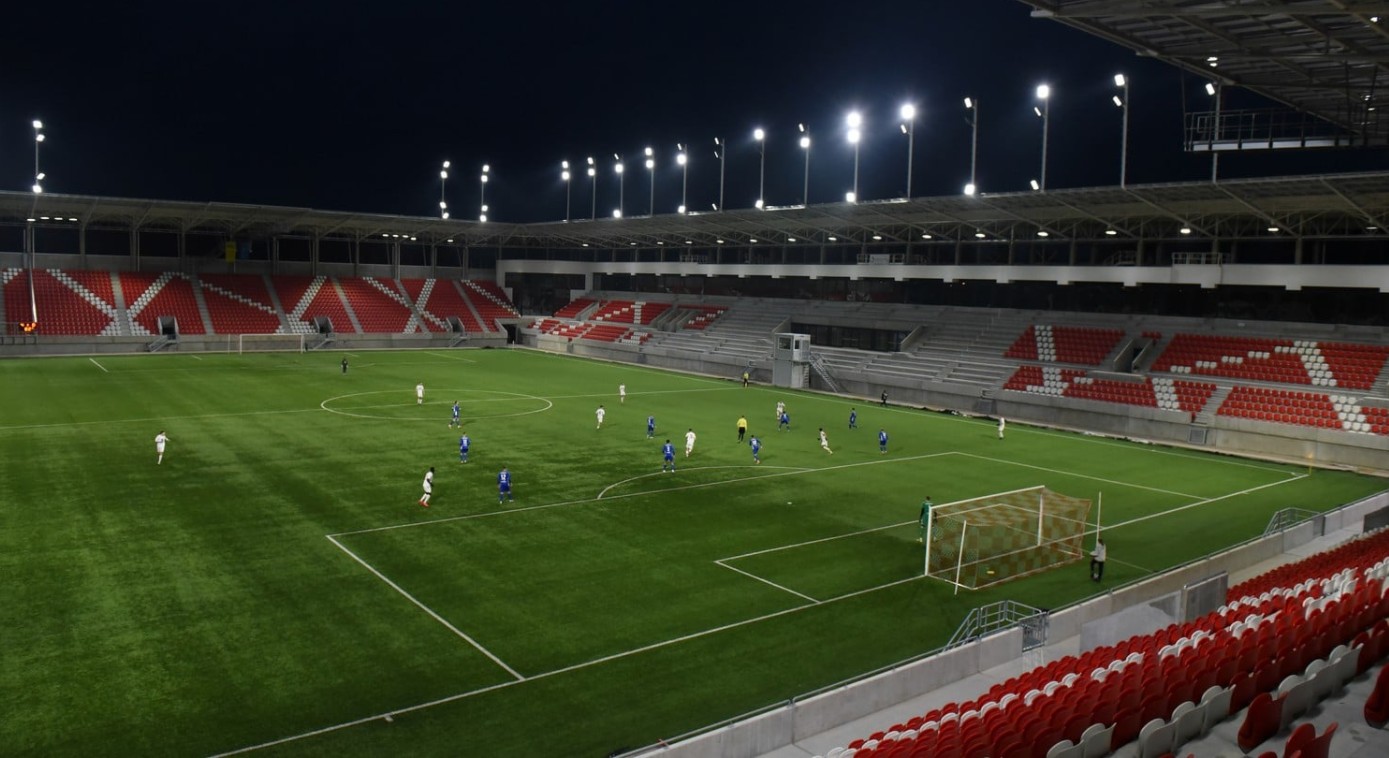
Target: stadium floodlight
{"points": [[443, 179], [1213, 89], [805, 145], [908, 114], [683, 160], [1035, 185], [1210, 89], [1122, 83], [720, 153], [972, 105], [593, 189], [970, 189], [564, 177], [651, 173], [482, 192], [761, 137], [1044, 94], [38, 140], [850, 197], [621, 179], [854, 120]]}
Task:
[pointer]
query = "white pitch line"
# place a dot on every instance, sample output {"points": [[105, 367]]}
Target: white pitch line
{"points": [[817, 541], [696, 468], [428, 610], [1081, 476], [450, 357], [583, 501], [1205, 501], [194, 357], [564, 670], [767, 582], [98, 365]]}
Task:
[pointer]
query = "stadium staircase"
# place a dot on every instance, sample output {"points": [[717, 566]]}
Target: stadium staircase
{"points": [[201, 302], [1206, 416], [346, 303], [240, 304], [155, 295], [489, 301], [96, 289]]}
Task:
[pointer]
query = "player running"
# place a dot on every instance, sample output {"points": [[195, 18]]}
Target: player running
{"points": [[689, 442], [742, 428], [756, 445], [668, 457], [783, 423], [428, 487], [160, 440], [419, 394], [780, 409], [853, 419], [463, 444], [825, 441], [651, 427], [600, 413], [621, 393], [882, 441], [504, 486], [457, 420], [1002, 424]]}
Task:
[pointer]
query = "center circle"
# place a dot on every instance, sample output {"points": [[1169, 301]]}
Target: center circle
{"points": [[382, 411]]}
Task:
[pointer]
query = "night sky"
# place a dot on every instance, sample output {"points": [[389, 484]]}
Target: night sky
{"points": [[352, 106]]}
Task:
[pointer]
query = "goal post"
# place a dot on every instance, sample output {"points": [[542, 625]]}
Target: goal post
{"points": [[266, 343], [987, 540]]}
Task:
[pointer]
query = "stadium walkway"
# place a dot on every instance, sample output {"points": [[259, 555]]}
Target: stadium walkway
{"points": [[1354, 738]]}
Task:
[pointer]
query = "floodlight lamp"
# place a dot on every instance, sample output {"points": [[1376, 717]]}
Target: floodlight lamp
{"points": [[854, 119], [680, 210], [718, 242], [925, 236], [447, 164], [904, 128], [590, 160], [617, 157], [715, 206], [1035, 185], [42, 175], [38, 137], [832, 238], [877, 238], [752, 240], [1037, 111], [484, 178], [758, 134], [850, 197], [680, 158], [716, 141], [446, 215], [486, 168], [758, 204], [970, 189], [38, 124], [443, 174], [650, 163], [38, 189], [618, 168], [908, 112], [979, 235], [1043, 233], [854, 136], [1210, 89], [1185, 230], [564, 164], [443, 205], [648, 152], [617, 213], [1120, 81], [484, 207], [790, 239], [805, 142], [482, 217], [412, 239], [1110, 233], [1117, 102], [801, 128], [1273, 228], [969, 103], [564, 175]]}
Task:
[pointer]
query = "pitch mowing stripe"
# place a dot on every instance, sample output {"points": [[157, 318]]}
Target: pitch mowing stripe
{"points": [[559, 671], [429, 610], [767, 582]]}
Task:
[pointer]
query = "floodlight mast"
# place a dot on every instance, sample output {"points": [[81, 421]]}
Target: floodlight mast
{"points": [[38, 140], [443, 179], [1044, 94], [651, 171], [805, 145], [1214, 90], [761, 137], [1122, 83], [720, 153], [565, 176], [854, 120], [593, 189], [482, 193], [908, 113], [621, 182], [972, 105], [684, 161]]}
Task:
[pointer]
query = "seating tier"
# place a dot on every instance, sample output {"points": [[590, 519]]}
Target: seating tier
{"points": [[149, 296], [1323, 364], [1064, 344], [376, 311], [239, 304]]}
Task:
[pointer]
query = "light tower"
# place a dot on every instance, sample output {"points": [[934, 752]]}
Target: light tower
{"points": [[443, 179], [482, 194], [621, 198], [1044, 113], [761, 137], [651, 172], [719, 153], [972, 105], [593, 188], [908, 113], [805, 145], [564, 175], [1123, 102], [854, 120], [684, 161], [38, 140]]}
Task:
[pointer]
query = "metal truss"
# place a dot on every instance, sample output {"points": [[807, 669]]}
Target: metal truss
{"points": [[1311, 207]]}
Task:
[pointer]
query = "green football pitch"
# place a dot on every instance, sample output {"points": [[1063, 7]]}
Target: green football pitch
{"points": [[274, 584]]}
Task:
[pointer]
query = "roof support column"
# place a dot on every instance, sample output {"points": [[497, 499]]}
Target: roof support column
{"points": [[275, 254], [82, 244], [135, 247], [1297, 251], [433, 260], [182, 249], [959, 251], [1142, 252], [313, 254], [1071, 253], [395, 263]]}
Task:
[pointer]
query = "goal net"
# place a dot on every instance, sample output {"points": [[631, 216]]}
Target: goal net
{"points": [[265, 343], [987, 540]]}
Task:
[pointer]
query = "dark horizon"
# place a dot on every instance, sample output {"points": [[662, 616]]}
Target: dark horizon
{"points": [[353, 108]]}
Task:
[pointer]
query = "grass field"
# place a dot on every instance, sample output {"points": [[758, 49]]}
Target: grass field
{"points": [[275, 581]]}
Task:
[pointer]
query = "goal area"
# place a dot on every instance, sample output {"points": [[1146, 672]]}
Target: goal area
{"points": [[987, 540], [265, 343]]}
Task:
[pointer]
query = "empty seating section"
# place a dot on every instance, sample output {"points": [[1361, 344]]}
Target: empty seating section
{"points": [[1322, 364], [239, 304], [615, 311], [1168, 394], [149, 296], [71, 303], [490, 301], [547, 325], [305, 298], [376, 310], [574, 308], [703, 315], [606, 332], [441, 300], [1312, 409], [1065, 344], [1283, 641]]}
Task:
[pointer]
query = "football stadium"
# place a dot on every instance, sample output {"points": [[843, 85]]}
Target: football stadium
{"points": [[1042, 471]]}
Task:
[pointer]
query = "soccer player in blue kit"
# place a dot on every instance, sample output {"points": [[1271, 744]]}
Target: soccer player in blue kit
{"points": [[668, 453], [756, 448], [784, 423], [853, 419], [463, 444], [455, 421], [882, 441], [504, 485], [650, 427]]}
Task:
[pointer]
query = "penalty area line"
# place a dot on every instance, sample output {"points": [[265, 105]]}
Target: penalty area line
{"points": [[767, 582], [463, 635], [98, 365]]}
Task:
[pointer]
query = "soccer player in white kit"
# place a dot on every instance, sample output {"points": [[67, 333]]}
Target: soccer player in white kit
{"points": [[825, 441], [160, 440], [689, 442], [419, 394], [780, 408], [621, 393], [428, 487], [600, 413], [1002, 424]]}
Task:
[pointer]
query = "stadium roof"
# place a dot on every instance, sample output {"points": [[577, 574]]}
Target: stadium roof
{"points": [[1322, 57], [1322, 207]]}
